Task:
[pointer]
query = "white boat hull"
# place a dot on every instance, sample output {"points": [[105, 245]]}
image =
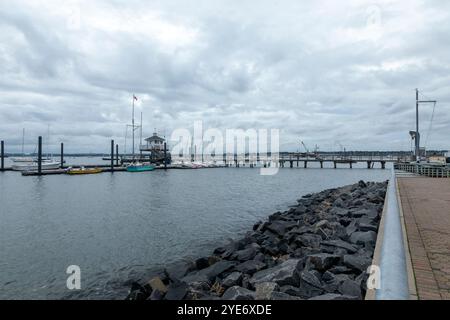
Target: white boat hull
{"points": [[22, 159], [34, 166]]}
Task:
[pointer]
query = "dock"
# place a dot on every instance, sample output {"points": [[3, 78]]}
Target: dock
{"points": [[425, 206]]}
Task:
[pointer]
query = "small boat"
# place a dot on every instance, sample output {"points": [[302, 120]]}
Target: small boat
{"points": [[84, 170], [140, 167], [33, 166], [22, 159]]}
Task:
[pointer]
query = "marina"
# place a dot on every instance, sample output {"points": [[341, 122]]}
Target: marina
{"points": [[214, 152]]}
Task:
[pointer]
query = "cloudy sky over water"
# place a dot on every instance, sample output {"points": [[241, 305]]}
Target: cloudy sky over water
{"points": [[331, 73]]}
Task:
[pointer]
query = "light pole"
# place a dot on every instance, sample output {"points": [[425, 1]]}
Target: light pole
{"points": [[417, 135]]}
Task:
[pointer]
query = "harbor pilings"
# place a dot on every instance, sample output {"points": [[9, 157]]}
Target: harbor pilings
{"points": [[117, 154], [112, 155], [2, 156], [61, 165], [165, 156], [40, 155]]}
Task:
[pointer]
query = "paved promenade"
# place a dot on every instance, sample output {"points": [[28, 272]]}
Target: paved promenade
{"points": [[426, 211]]}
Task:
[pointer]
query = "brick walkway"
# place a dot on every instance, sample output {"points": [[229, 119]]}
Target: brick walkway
{"points": [[426, 210]]}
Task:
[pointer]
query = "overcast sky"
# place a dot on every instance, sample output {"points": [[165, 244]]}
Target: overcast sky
{"points": [[330, 73]]}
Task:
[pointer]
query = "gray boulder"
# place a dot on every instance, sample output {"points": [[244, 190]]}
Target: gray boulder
{"points": [[176, 291], [216, 269], [264, 290], [357, 262], [276, 295], [232, 279], [322, 261], [340, 244], [250, 267], [308, 240], [362, 238], [350, 288], [283, 274], [333, 296], [238, 293], [244, 255], [310, 284]]}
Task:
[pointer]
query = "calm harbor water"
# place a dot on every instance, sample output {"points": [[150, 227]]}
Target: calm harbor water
{"points": [[119, 227]]}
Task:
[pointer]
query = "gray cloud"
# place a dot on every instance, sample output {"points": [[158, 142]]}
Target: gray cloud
{"points": [[324, 72]]}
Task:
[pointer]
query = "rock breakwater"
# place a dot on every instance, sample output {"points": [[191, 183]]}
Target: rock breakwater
{"points": [[318, 249]]}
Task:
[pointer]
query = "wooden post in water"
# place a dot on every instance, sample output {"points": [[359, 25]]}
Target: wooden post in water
{"points": [[165, 156], [2, 156], [39, 155], [117, 155], [112, 155], [61, 165]]}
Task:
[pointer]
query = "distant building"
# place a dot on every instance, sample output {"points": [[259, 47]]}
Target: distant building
{"points": [[155, 146], [153, 143]]}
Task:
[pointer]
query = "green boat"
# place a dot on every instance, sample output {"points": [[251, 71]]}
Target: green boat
{"points": [[140, 168]]}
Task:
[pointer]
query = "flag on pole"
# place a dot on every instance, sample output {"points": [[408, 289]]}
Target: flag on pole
{"points": [[134, 97]]}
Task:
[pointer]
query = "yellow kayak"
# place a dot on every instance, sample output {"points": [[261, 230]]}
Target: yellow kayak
{"points": [[84, 171]]}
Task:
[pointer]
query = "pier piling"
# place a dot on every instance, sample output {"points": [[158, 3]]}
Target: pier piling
{"points": [[39, 155], [112, 155], [117, 155], [2, 156], [165, 156], [61, 165]]}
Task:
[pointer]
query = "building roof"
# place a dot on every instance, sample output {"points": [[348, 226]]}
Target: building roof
{"points": [[154, 137]]}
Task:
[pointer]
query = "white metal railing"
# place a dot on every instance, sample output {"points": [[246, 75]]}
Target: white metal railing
{"points": [[393, 278]]}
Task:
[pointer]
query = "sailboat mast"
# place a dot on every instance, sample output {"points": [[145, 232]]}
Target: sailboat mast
{"points": [[132, 124], [140, 138], [23, 141]]}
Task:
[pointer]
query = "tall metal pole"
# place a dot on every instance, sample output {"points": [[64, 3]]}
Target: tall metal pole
{"points": [[39, 155], [417, 137], [132, 124]]}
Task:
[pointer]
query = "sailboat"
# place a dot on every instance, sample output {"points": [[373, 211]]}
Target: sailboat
{"points": [[22, 158], [137, 166], [31, 164]]}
